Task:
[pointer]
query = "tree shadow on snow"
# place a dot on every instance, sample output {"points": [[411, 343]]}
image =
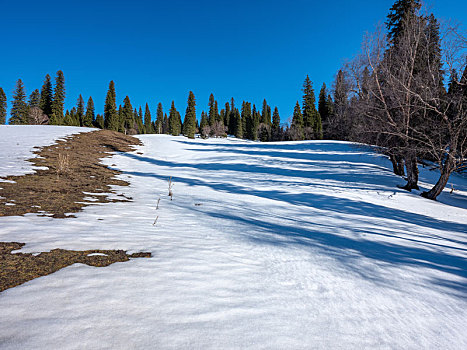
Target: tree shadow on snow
{"points": [[346, 250]]}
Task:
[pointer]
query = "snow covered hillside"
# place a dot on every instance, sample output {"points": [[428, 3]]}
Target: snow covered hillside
{"points": [[19, 141], [292, 245]]}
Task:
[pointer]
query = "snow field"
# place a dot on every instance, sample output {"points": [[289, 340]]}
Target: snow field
{"points": [[264, 246]]}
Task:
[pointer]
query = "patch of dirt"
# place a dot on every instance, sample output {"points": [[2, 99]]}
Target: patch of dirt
{"points": [[18, 268], [73, 167]]}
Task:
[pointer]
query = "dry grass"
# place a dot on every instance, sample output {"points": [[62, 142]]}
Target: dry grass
{"points": [[18, 268], [73, 167]]}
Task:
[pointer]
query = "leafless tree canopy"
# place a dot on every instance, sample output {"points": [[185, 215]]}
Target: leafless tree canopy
{"points": [[399, 98]]}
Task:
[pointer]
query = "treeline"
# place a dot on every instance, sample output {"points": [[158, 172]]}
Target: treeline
{"points": [[394, 95], [245, 121]]}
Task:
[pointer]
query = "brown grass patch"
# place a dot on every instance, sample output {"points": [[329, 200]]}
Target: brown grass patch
{"points": [[18, 268], [73, 167]]}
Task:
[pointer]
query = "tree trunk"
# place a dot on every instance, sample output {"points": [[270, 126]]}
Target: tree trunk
{"points": [[397, 164], [412, 172], [446, 171]]}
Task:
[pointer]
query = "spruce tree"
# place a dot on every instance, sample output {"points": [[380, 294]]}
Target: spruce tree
{"points": [[266, 113], [80, 110], [139, 121], [19, 110], [311, 117], [128, 115], [59, 99], [3, 107], [148, 127], [323, 105], [227, 118], [190, 117], [159, 119], [165, 124], [246, 116], [99, 122], [255, 123], [34, 99], [89, 116], [203, 124], [297, 122], [111, 120], [211, 112], [276, 120], [217, 116], [46, 96], [238, 120], [174, 121]]}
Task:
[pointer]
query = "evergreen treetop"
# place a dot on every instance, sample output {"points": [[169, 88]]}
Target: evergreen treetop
{"points": [[34, 99], [59, 99], [19, 110], [111, 120], [190, 117], [89, 116], [46, 96]]}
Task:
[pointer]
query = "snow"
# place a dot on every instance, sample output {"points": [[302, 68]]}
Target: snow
{"points": [[293, 245], [20, 141]]}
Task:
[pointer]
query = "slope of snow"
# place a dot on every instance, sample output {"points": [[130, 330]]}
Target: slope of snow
{"points": [[292, 245], [19, 141]]}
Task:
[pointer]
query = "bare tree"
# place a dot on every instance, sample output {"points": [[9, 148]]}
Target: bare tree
{"points": [[407, 109], [37, 116]]}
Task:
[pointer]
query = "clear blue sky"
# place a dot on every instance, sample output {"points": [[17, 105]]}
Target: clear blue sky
{"points": [[157, 51]]}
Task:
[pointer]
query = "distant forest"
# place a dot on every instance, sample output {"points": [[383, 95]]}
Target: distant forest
{"points": [[47, 107], [405, 93]]}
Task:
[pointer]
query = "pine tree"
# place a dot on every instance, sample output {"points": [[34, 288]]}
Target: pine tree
{"points": [[276, 120], [3, 107], [216, 113], [111, 120], [165, 124], [174, 122], [239, 124], [211, 112], [46, 96], [19, 109], [266, 113], [139, 121], [128, 115], [89, 116], [34, 99], [121, 119], [324, 105], [80, 110], [160, 119], [255, 123], [99, 122], [297, 122], [59, 99], [311, 117], [203, 124], [232, 120], [248, 120], [148, 126], [190, 117], [227, 118]]}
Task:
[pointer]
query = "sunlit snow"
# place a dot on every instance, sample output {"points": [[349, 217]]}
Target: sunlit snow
{"points": [[294, 245]]}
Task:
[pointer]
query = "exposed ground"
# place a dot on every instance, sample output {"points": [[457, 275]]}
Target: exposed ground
{"points": [[73, 167], [18, 268]]}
